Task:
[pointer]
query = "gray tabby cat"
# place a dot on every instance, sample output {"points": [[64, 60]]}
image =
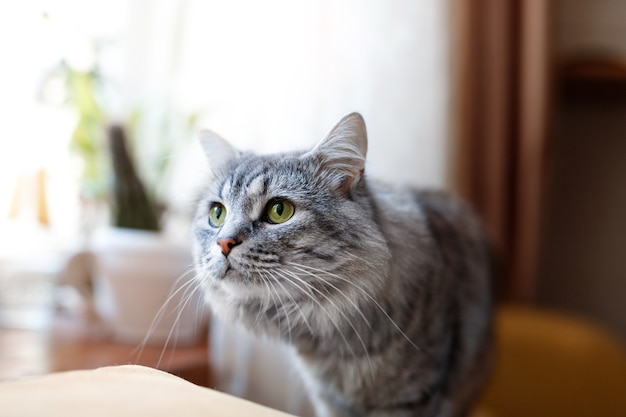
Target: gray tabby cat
{"points": [[383, 291]]}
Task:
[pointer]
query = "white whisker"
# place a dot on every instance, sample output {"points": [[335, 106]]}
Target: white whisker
{"points": [[265, 302], [370, 297], [326, 282], [356, 332], [159, 314], [279, 272], [280, 306], [181, 307], [365, 261], [295, 304]]}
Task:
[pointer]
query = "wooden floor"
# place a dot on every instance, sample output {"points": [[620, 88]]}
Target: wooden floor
{"points": [[68, 344]]}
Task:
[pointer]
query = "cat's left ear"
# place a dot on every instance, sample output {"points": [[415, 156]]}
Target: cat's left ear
{"points": [[342, 153], [218, 151]]}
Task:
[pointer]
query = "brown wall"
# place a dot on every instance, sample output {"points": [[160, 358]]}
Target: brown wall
{"points": [[583, 257], [582, 265]]}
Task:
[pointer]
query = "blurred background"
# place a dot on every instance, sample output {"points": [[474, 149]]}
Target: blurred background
{"points": [[516, 106], [268, 77]]}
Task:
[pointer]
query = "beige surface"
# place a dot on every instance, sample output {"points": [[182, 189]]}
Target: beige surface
{"points": [[119, 391]]}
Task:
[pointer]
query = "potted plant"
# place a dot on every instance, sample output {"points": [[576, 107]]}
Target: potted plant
{"points": [[137, 272]]}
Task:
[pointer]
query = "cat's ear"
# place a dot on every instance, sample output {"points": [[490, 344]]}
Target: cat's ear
{"points": [[218, 151], [342, 153]]}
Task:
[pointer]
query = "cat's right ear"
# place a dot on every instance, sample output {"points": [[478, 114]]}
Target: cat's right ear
{"points": [[342, 154], [217, 150]]}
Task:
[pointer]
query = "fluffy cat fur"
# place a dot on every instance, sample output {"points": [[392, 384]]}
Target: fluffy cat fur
{"points": [[383, 291]]}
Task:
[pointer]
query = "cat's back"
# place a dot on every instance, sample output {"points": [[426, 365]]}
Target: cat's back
{"points": [[432, 232], [442, 269], [427, 217]]}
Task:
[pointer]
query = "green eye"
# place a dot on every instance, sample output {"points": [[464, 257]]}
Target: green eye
{"points": [[217, 215], [279, 211]]}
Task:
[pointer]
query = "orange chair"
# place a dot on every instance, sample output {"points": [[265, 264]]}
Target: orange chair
{"points": [[550, 364]]}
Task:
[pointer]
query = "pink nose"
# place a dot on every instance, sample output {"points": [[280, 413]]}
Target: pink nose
{"points": [[227, 244]]}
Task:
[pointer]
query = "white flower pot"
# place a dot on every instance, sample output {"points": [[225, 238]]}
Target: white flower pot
{"points": [[144, 289]]}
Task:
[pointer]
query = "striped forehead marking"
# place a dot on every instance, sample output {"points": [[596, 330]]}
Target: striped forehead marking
{"points": [[225, 189], [257, 186]]}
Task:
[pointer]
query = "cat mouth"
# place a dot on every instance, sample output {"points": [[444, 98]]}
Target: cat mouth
{"points": [[230, 269], [234, 273], [223, 270]]}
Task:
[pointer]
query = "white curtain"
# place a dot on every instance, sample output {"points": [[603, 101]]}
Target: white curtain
{"points": [[276, 75], [268, 75]]}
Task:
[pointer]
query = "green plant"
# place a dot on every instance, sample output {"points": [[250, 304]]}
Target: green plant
{"points": [[132, 208], [88, 136], [111, 174]]}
